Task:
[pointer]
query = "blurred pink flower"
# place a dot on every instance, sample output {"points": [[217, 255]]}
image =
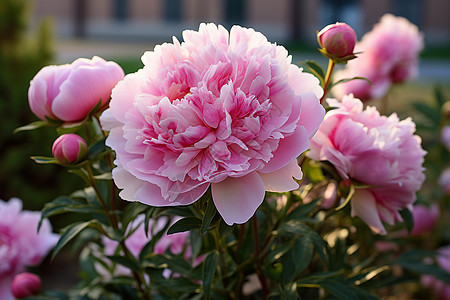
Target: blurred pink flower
{"points": [[20, 243], [444, 180], [445, 137], [425, 218], [439, 287], [176, 243], [378, 151], [69, 92], [390, 54], [226, 110], [69, 149], [25, 285]]}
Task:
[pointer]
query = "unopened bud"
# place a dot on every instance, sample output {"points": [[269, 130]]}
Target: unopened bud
{"points": [[337, 41], [69, 149], [25, 285]]}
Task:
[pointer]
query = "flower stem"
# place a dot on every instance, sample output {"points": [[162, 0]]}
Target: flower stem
{"points": [[259, 273], [327, 82]]}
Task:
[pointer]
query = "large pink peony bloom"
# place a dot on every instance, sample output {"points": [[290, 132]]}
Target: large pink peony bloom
{"points": [[379, 151], [69, 92], [226, 110], [390, 54], [20, 243]]}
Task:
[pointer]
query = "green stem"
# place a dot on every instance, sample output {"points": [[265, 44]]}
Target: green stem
{"points": [[259, 273], [327, 82], [138, 276]]}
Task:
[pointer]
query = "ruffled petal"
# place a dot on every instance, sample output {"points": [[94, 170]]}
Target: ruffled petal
{"points": [[282, 179], [237, 199], [364, 206]]}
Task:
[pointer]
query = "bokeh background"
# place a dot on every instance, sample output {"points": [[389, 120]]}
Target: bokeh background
{"points": [[35, 33]]}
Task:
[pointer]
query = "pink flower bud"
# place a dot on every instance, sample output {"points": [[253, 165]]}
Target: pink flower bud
{"points": [[445, 137], [69, 92], [69, 149], [337, 39], [25, 285]]}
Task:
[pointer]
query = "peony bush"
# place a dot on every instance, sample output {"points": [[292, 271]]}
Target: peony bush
{"points": [[221, 170]]}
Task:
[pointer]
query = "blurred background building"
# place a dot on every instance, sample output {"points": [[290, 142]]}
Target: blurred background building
{"points": [[281, 20]]}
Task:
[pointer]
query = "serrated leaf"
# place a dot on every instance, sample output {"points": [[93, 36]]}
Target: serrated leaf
{"points": [[208, 217], [69, 233], [210, 265], [185, 224]]}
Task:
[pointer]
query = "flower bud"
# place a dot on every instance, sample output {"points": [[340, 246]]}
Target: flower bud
{"points": [[337, 41], [69, 149], [25, 285]]}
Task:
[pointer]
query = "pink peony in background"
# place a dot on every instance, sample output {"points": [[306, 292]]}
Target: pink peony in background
{"points": [[445, 137], [425, 218], [222, 109], [378, 151], [439, 287], [390, 54], [176, 243], [20, 243], [69, 92]]}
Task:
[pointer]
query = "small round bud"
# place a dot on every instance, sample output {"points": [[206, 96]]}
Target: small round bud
{"points": [[338, 40], [25, 285], [69, 149]]}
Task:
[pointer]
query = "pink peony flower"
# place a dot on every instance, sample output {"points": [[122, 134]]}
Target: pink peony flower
{"points": [[337, 39], [425, 218], [226, 110], [444, 181], [69, 92], [20, 243], [378, 151], [69, 149], [439, 287], [390, 54], [25, 285]]}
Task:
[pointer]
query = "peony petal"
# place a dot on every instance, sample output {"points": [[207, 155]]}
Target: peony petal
{"points": [[312, 114], [281, 180], [364, 206], [237, 199], [288, 149]]}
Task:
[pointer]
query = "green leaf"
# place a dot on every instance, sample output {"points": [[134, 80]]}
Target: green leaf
{"points": [[210, 265], [414, 261], [125, 261], [132, 211], [433, 115], [69, 233], [277, 252], [313, 171], [297, 259], [314, 68], [44, 160], [97, 149], [407, 218], [208, 217], [69, 127], [339, 290], [185, 224], [350, 79], [303, 210], [35, 125]]}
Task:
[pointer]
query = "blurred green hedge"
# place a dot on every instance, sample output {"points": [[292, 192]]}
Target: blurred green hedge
{"points": [[21, 57]]}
